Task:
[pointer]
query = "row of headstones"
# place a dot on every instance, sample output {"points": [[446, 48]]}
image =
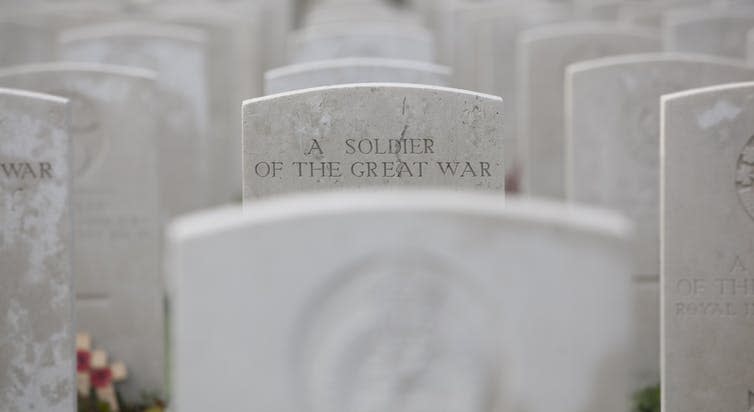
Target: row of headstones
{"points": [[518, 50], [464, 150], [301, 168], [346, 297], [498, 42], [629, 183], [153, 138]]}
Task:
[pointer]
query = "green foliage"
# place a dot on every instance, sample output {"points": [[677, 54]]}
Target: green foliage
{"points": [[148, 403], [647, 400]]}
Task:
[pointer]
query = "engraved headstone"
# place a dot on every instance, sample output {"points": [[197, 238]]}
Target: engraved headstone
{"points": [[37, 366], [354, 70], [178, 55], [400, 301], [613, 157], [720, 32], [708, 249], [372, 135], [385, 40], [115, 206], [543, 55]]}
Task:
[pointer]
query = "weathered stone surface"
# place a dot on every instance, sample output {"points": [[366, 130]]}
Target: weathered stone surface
{"points": [[37, 363], [708, 249], [178, 55], [333, 41], [399, 301], [613, 153], [543, 55], [372, 135], [115, 205], [354, 70]]}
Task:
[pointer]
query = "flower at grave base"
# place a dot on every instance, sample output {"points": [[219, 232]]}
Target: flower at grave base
{"points": [[101, 378], [83, 360]]}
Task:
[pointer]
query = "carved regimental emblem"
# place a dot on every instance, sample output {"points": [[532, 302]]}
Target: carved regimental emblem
{"points": [[90, 142], [398, 334], [745, 177]]}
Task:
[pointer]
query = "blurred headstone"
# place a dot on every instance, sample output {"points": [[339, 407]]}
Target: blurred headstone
{"points": [[354, 70], [543, 55], [720, 32], [613, 158], [401, 301], [332, 41], [116, 210], [179, 57]]}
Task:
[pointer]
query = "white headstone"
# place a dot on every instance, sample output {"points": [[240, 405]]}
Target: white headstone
{"points": [[115, 206], [481, 37], [708, 249], [276, 23], [395, 301], [718, 32], [372, 135], [235, 73], [332, 41], [543, 55], [354, 70], [178, 55], [271, 20], [24, 43], [37, 365], [364, 11], [613, 156], [650, 14], [59, 15]]}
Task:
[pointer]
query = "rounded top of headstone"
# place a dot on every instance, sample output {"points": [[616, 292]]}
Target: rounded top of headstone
{"points": [[579, 28], [33, 95], [721, 113], [374, 87], [78, 67], [134, 29], [357, 62], [687, 15], [597, 222], [744, 87], [660, 57], [359, 28]]}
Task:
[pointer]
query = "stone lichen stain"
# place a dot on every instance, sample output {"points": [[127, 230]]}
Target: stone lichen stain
{"points": [[744, 179]]}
